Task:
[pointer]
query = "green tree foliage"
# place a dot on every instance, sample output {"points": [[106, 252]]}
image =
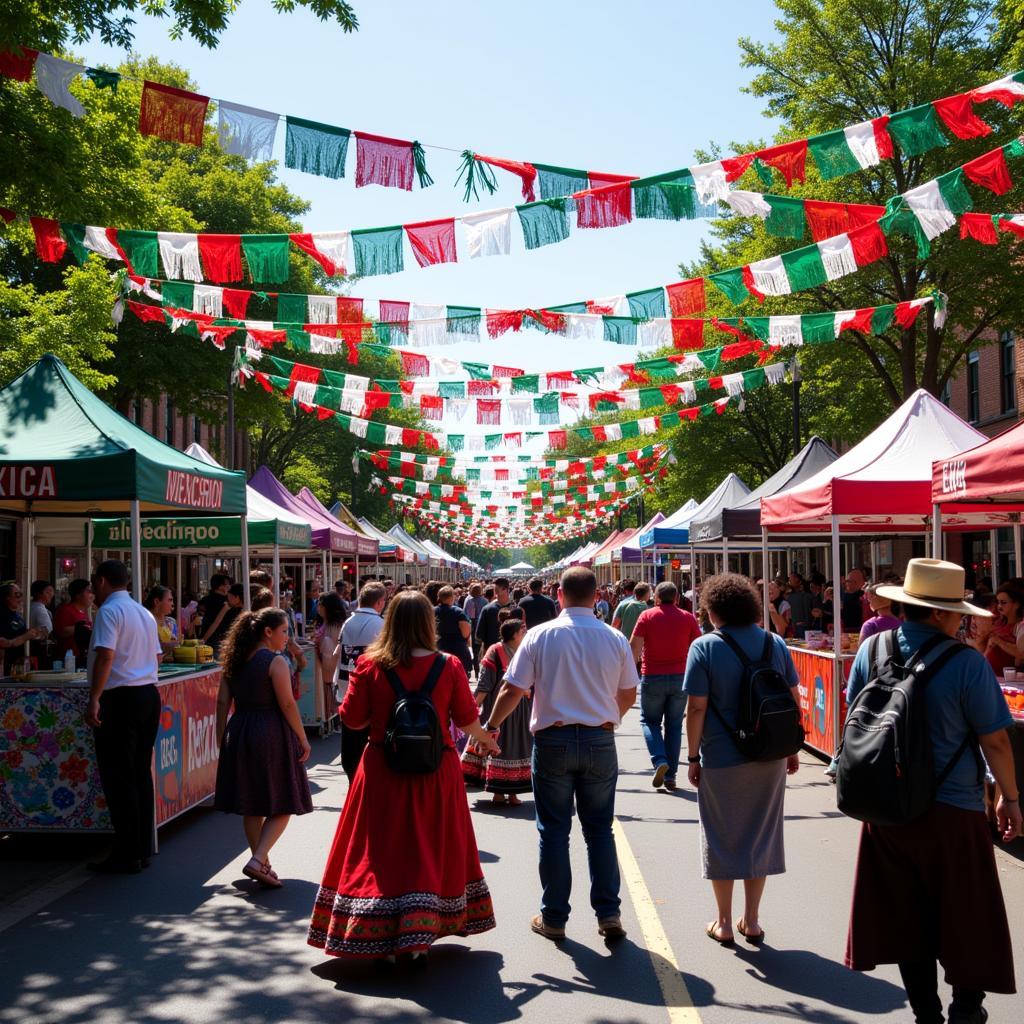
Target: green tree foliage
{"points": [[99, 170], [50, 24]]}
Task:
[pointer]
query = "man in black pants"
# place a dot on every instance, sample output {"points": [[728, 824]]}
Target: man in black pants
{"points": [[487, 625], [124, 712]]}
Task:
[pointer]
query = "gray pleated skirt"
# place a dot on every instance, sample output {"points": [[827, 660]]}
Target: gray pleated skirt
{"points": [[741, 820]]}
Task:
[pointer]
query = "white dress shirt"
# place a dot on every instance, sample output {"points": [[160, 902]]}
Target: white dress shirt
{"points": [[576, 665], [129, 630]]}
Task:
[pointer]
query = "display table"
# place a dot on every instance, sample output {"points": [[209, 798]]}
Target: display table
{"points": [[822, 696], [1014, 693], [49, 781]]}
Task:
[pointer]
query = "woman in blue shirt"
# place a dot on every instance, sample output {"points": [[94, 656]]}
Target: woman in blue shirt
{"points": [[741, 802]]}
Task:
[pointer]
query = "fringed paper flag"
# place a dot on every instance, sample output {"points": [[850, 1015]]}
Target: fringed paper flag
{"points": [[544, 222], [221, 257], [328, 248], [315, 148], [266, 257], [54, 75], [174, 115], [246, 131], [50, 244], [488, 233], [432, 241], [378, 251]]}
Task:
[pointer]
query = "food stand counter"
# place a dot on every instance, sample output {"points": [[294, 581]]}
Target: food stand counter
{"points": [[1014, 693], [49, 780], [822, 695]]}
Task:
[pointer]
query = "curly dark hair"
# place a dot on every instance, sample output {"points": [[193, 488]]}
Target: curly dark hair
{"points": [[244, 635], [731, 598]]}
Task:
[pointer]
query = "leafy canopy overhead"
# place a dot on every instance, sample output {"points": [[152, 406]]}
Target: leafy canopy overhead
{"points": [[50, 24]]}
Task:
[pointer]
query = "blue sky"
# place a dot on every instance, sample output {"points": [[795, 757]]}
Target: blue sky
{"points": [[631, 89]]}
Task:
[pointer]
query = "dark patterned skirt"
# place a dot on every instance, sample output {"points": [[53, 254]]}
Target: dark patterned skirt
{"points": [[404, 869], [930, 889]]}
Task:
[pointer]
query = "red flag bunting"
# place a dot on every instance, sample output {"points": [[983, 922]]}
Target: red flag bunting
{"points": [[432, 407], [957, 113], [868, 243], [980, 227], [606, 207], [174, 115], [350, 311], [236, 302], [394, 312], [686, 297], [687, 334], [50, 244], [789, 159], [18, 64], [383, 161], [527, 173], [147, 313], [432, 241], [990, 171], [221, 256], [304, 241]]}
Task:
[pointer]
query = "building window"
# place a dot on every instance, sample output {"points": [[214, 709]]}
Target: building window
{"points": [[1007, 373], [197, 430], [169, 422], [973, 391]]}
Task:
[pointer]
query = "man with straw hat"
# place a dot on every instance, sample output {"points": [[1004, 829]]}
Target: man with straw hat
{"points": [[927, 891]]}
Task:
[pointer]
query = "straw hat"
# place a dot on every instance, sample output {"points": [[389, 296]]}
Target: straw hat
{"points": [[932, 583]]}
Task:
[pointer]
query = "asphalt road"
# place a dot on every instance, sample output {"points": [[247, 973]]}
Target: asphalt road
{"points": [[192, 940]]}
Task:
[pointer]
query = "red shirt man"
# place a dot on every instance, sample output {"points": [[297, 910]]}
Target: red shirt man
{"points": [[663, 634], [69, 615]]}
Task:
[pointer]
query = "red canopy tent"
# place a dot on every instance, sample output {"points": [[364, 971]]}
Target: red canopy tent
{"points": [[881, 486], [983, 486]]}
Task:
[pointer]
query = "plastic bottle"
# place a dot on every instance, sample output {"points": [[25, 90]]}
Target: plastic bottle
{"points": [[69, 661]]}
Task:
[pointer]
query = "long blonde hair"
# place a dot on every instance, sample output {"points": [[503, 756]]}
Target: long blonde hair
{"points": [[408, 624]]}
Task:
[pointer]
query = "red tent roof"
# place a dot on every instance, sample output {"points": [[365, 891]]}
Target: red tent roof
{"points": [[882, 484], [991, 473]]}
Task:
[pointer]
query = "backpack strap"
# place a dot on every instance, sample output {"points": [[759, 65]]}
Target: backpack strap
{"points": [[438, 666], [768, 651], [735, 647]]}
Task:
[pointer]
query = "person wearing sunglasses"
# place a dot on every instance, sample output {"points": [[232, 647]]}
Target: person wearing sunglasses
{"points": [[14, 630]]}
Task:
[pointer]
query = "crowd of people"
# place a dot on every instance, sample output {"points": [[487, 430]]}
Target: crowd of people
{"points": [[519, 688]]}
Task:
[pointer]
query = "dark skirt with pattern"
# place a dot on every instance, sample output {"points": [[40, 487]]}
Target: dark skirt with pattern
{"points": [[509, 771], [930, 889], [474, 767], [259, 772], [404, 869]]}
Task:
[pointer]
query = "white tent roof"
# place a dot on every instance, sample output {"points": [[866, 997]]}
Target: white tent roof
{"points": [[522, 566], [438, 552], [259, 507], [883, 483]]}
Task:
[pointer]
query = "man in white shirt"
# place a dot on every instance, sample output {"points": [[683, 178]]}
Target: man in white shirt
{"points": [[124, 712], [361, 628], [584, 680]]}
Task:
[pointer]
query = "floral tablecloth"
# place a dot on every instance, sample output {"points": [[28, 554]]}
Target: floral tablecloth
{"points": [[48, 774]]}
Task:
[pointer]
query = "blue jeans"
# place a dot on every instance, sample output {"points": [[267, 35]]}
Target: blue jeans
{"points": [[662, 698], [576, 761]]}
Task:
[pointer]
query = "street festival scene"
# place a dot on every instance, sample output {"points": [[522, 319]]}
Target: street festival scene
{"points": [[438, 584]]}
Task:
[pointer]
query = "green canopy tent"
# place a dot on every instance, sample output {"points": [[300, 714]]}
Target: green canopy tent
{"points": [[63, 451]]}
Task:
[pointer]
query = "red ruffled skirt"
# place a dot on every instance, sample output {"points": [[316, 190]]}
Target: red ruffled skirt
{"points": [[404, 869]]}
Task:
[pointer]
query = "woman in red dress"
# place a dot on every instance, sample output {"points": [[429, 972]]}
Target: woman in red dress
{"points": [[404, 869]]}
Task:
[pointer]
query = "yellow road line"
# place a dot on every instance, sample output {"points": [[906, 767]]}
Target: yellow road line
{"points": [[670, 980]]}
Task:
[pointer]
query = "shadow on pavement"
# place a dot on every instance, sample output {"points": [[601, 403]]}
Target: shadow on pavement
{"points": [[808, 981]]}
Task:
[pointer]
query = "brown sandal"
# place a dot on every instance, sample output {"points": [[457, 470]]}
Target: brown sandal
{"points": [[261, 873]]}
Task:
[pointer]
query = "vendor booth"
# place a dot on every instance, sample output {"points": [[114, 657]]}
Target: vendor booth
{"points": [[66, 453], [981, 488], [881, 486], [736, 529], [391, 556], [425, 561]]}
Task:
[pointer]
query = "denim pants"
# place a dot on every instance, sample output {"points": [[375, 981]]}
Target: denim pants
{"points": [[662, 700], [576, 761]]}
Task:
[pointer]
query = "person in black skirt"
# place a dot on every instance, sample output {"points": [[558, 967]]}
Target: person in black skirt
{"points": [[260, 774], [453, 628]]}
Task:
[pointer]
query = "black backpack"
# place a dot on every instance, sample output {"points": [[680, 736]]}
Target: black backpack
{"points": [[885, 772], [414, 741], [768, 722]]}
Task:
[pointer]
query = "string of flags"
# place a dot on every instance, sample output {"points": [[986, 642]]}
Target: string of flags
{"points": [[179, 115], [849, 232]]}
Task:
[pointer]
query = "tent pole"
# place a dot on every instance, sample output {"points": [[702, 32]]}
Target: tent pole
{"points": [[276, 585], [136, 551], [243, 524], [764, 565], [936, 531], [837, 604], [323, 567], [88, 549], [302, 595], [993, 545], [30, 573], [177, 596], [355, 586], [1016, 550], [725, 553]]}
